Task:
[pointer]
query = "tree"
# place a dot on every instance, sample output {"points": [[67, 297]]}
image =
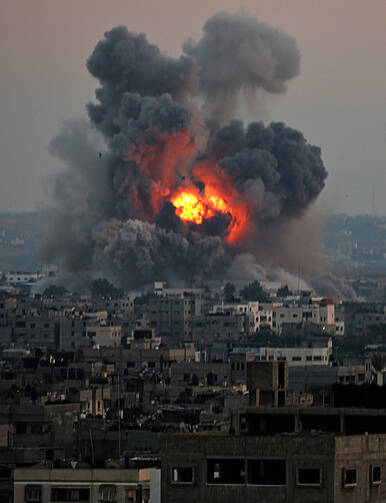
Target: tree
{"points": [[253, 292], [55, 291], [103, 288], [284, 291], [229, 292]]}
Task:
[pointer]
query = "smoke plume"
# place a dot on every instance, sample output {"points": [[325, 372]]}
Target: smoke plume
{"points": [[143, 197]]}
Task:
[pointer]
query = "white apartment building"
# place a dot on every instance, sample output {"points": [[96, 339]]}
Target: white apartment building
{"points": [[20, 278], [322, 313], [295, 356], [257, 316]]}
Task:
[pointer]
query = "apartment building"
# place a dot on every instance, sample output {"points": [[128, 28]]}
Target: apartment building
{"points": [[172, 316], [110, 485]]}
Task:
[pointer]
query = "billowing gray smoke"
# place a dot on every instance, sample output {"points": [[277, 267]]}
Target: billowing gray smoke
{"points": [[112, 212], [240, 54]]}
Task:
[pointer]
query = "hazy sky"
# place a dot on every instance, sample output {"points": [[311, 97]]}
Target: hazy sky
{"points": [[338, 101]]}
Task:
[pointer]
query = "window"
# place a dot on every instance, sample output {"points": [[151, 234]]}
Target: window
{"points": [[267, 472], [308, 477], [64, 494], [375, 475], [21, 428], [226, 471], [350, 477], [131, 495], [107, 493], [317, 358], [182, 475], [296, 358], [32, 493]]}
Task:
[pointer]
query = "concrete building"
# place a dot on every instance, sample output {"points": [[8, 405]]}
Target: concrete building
{"points": [[111, 485], [104, 336], [73, 334], [172, 316], [295, 356], [298, 468], [21, 278], [320, 314]]}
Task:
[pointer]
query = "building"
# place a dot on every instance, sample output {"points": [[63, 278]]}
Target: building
{"points": [[295, 356], [320, 314], [295, 469], [172, 316], [110, 485], [22, 278]]}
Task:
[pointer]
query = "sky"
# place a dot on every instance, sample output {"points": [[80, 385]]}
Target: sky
{"points": [[338, 101]]}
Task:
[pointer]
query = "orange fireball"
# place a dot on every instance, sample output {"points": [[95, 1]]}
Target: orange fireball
{"points": [[219, 197]]}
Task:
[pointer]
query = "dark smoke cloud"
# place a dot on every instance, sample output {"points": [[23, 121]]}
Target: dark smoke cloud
{"points": [[144, 251], [290, 169], [111, 211], [239, 53]]}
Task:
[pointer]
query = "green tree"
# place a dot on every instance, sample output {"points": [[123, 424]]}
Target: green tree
{"points": [[254, 291], [284, 291], [55, 291], [229, 292], [103, 288]]}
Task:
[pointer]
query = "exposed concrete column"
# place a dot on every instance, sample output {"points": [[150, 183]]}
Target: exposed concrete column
{"points": [[342, 422]]}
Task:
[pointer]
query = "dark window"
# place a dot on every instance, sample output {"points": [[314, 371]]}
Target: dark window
{"points": [[226, 471], [375, 475], [271, 472], [21, 428], [182, 475], [130, 364], [317, 358], [107, 493], [32, 493], [309, 476], [350, 477], [64, 494], [296, 358]]}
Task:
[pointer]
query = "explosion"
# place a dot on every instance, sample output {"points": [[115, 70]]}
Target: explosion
{"points": [[162, 182], [218, 197]]}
